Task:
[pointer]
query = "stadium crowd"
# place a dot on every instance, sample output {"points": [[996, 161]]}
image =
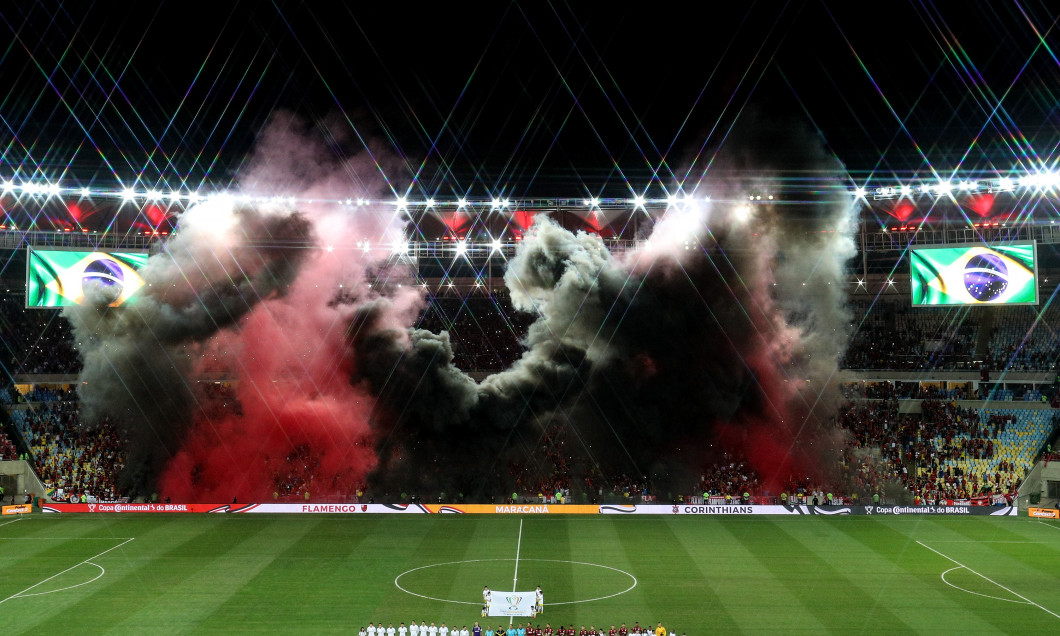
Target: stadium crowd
{"points": [[930, 454], [73, 460], [921, 450], [484, 329], [8, 450]]}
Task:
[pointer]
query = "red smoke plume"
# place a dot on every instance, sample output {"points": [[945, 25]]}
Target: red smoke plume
{"points": [[299, 415]]}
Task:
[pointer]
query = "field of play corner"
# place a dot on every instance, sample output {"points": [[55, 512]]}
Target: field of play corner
{"points": [[95, 574]]}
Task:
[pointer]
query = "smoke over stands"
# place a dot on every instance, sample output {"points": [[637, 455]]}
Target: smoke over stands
{"points": [[720, 333], [245, 293]]}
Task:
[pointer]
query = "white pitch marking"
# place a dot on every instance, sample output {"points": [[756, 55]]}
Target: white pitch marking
{"points": [[447, 600], [1051, 525], [19, 518], [518, 546], [515, 578], [996, 598], [1047, 611], [17, 594], [62, 538], [61, 589]]}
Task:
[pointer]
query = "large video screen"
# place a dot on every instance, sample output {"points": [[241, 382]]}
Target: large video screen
{"points": [[975, 275], [61, 278]]}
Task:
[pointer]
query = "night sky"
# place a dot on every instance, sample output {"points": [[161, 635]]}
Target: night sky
{"points": [[524, 99]]}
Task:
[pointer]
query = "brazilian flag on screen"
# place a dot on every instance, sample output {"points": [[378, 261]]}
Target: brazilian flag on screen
{"points": [[60, 278], [975, 275]]}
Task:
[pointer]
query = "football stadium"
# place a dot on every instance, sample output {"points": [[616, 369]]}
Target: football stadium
{"points": [[292, 346]]}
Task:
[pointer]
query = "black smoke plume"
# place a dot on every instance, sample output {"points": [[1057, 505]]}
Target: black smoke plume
{"points": [[721, 332], [138, 358]]}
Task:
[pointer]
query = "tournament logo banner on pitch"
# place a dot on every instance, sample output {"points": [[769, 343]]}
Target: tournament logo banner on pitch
{"points": [[512, 604]]}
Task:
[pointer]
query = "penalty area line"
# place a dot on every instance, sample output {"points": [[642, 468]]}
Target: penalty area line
{"points": [[93, 557], [1047, 611]]}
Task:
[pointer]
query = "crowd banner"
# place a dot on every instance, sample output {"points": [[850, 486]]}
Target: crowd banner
{"points": [[539, 509], [1040, 513], [19, 509], [512, 604]]}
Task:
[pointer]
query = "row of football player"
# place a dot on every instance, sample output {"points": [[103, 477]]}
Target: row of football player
{"points": [[423, 629]]}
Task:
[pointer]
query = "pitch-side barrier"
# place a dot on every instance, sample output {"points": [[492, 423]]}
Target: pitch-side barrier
{"points": [[531, 509]]}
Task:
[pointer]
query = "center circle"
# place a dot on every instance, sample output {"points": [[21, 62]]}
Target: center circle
{"points": [[397, 580]]}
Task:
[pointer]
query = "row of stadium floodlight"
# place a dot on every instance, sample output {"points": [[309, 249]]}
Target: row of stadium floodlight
{"points": [[1041, 181]]}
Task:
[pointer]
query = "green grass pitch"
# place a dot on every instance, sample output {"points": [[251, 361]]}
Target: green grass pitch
{"points": [[167, 574]]}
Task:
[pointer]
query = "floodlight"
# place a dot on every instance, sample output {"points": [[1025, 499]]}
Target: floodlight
{"points": [[594, 202], [128, 194], [1004, 183], [860, 193], [906, 190], [461, 203], [402, 202], [430, 203], [742, 213], [496, 245], [638, 201], [495, 203], [8, 186], [461, 248], [54, 189], [85, 192]]}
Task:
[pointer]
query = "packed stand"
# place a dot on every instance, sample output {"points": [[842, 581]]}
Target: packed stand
{"points": [[35, 341], [728, 478], [947, 451], [8, 451], [76, 462], [484, 329]]}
